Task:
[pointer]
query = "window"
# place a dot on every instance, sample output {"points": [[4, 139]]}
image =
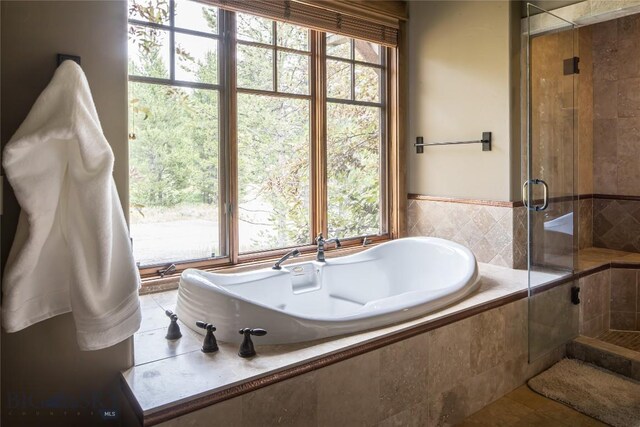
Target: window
{"points": [[175, 132], [249, 136], [355, 137], [274, 117]]}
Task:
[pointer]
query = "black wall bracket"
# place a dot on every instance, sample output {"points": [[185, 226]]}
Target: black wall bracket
{"points": [[571, 66], [63, 57], [575, 295]]}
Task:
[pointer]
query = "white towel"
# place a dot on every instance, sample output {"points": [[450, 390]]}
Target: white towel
{"points": [[71, 251]]}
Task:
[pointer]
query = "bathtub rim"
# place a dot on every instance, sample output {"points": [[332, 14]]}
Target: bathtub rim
{"points": [[457, 291]]}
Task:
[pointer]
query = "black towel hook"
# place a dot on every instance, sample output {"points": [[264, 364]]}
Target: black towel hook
{"points": [[64, 56]]}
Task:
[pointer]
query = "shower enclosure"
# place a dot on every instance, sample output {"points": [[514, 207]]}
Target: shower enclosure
{"points": [[549, 180]]}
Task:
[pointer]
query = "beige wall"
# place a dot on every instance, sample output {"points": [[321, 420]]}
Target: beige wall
{"points": [[460, 65], [43, 360]]}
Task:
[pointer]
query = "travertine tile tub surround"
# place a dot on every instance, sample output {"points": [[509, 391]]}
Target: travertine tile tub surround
{"points": [[465, 356], [460, 367], [436, 378], [496, 232]]}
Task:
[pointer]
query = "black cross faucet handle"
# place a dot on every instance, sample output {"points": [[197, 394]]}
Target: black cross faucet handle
{"points": [[210, 344], [246, 348], [173, 333]]}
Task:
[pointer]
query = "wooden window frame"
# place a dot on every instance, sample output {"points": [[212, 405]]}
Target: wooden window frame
{"points": [[392, 182]]}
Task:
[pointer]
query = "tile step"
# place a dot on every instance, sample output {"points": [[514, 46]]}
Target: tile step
{"points": [[609, 356]]}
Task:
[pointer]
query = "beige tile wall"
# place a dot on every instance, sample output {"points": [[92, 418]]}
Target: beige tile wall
{"points": [[608, 155], [434, 379], [610, 299], [616, 224], [585, 224], [585, 112], [585, 137], [625, 299], [616, 97], [553, 319], [609, 133], [496, 235], [595, 291], [553, 113]]}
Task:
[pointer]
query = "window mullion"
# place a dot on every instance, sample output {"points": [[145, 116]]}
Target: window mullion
{"points": [[392, 147], [274, 34], [232, 143], [224, 234], [172, 41], [319, 143], [385, 110]]}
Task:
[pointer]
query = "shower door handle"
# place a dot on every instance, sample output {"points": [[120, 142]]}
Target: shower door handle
{"points": [[525, 195], [545, 195]]}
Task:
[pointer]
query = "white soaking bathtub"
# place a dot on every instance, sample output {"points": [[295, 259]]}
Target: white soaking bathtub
{"points": [[388, 283]]}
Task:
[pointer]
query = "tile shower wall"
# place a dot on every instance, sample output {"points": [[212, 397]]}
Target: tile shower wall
{"points": [[551, 146], [495, 234], [436, 379], [595, 291], [616, 97], [616, 224], [585, 224], [615, 48], [585, 112], [625, 299], [610, 299], [585, 138]]}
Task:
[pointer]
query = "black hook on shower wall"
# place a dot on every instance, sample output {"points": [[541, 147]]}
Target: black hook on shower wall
{"points": [[64, 56]]}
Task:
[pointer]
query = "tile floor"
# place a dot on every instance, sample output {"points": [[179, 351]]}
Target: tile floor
{"points": [[524, 407]]}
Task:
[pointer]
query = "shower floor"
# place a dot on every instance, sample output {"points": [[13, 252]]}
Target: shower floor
{"points": [[525, 407], [626, 339]]}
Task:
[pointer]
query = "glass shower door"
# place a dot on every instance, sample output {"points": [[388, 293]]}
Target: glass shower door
{"points": [[549, 185]]}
